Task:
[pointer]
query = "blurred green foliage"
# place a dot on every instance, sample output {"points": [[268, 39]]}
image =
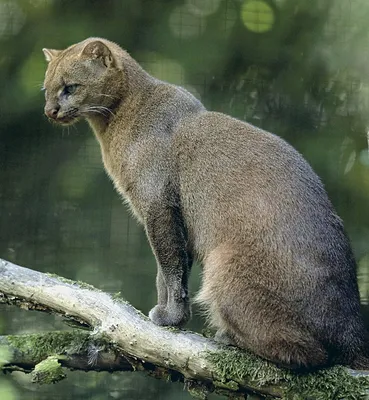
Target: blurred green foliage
{"points": [[295, 67]]}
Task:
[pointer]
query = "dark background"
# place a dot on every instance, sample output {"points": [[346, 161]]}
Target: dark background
{"points": [[298, 68]]}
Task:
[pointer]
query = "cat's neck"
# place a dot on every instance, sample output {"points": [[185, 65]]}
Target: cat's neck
{"points": [[134, 85]]}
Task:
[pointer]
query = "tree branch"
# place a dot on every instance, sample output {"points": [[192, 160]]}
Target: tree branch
{"points": [[78, 350], [191, 355]]}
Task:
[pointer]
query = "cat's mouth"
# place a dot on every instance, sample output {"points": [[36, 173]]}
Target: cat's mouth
{"points": [[63, 117], [67, 120]]}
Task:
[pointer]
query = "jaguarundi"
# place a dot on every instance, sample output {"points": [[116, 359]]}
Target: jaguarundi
{"points": [[279, 275]]}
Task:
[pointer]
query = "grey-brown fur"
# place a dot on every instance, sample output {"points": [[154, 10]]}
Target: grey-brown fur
{"points": [[279, 274]]}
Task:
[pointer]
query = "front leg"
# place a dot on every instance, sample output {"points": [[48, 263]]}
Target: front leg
{"points": [[166, 233], [161, 285], [161, 288]]}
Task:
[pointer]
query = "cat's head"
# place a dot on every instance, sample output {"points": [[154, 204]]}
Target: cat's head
{"points": [[83, 81]]}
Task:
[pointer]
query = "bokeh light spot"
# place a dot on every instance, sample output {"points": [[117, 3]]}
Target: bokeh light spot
{"points": [[12, 18], [163, 68], [203, 7], [257, 16], [184, 24]]}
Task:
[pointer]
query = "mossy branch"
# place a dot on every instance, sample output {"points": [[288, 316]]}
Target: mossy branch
{"points": [[75, 350], [128, 334]]}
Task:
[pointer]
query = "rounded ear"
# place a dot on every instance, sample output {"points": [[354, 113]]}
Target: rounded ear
{"points": [[97, 50], [51, 53]]}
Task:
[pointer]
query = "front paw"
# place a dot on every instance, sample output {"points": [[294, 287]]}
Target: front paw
{"points": [[170, 315]]}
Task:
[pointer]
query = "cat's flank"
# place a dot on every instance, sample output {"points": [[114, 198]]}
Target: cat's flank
{"points": [[278, 271]]}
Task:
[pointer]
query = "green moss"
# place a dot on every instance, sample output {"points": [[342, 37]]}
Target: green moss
{"points": [[48, 371], [329, 384], [198, 392], [229, 385], [40, 346], [241, 365]]}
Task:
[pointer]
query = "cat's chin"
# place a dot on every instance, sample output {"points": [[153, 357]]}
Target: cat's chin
{"points": [[66, 121]]}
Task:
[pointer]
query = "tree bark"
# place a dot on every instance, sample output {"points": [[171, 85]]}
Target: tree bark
{"points": [[135, 341]]}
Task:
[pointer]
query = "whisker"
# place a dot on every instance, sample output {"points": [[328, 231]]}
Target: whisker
{"points": [[95, 111], [74, 127], [105, 109], [99, 109], [38, 85], [108, 95]]}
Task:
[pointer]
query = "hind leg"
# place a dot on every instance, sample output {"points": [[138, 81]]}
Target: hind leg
{"points": [[254, 312], [266, 326], [269, 328]]}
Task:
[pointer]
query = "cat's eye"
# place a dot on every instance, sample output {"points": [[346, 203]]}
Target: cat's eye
{"points": [[69, 89]]}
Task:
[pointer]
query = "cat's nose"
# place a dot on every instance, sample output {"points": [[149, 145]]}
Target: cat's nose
{"points": [[52, 112]]}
